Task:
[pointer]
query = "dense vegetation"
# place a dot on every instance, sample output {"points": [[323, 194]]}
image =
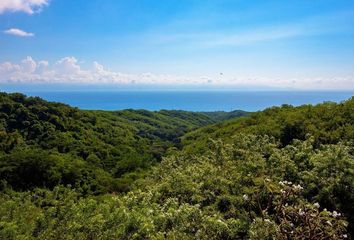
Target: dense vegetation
{"points": [[44, 144], [234, 191], [283, 173], [222, 115], [328, 123]]}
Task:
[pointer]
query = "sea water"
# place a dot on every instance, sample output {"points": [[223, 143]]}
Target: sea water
{"points": [[189, 100]]}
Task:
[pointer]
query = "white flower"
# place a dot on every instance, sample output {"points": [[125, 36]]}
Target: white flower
{"points": [[317, 205], [345, 236], [285, 183], [245, 197], [298, 187], [336, 214], [301, 213]]}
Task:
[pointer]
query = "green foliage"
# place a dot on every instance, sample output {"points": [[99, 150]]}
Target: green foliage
{"points": [[327, 123], [283, 173], [43, 144], [228, 193], [222, 116]]}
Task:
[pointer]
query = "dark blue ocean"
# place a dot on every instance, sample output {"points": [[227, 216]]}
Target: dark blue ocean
{"points": [[188, 100]]}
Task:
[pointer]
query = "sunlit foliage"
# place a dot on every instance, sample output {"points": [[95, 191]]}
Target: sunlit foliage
{"points": [[285, 173]]}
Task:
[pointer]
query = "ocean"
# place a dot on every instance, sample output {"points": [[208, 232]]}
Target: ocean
{"points": [[189, 100]]}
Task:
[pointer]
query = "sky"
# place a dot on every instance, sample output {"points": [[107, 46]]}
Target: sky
{"points": [[288, 44]]}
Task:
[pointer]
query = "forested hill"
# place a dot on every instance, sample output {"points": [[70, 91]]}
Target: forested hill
{"points": [[222, 115], [282, 173], [328, 122], [86, 148]]}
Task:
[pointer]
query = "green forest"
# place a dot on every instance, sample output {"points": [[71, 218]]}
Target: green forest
{"points": [[282, 173]]}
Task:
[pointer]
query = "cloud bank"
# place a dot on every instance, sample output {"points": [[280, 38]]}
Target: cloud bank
{"points": [[67, 70], [18, 32], [26, 6]]}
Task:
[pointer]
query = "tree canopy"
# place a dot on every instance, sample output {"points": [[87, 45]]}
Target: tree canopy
{"points": [[282, 173]]}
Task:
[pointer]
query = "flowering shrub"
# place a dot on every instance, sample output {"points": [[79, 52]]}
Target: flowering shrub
{"points": [[251, 189], [293, 218]]}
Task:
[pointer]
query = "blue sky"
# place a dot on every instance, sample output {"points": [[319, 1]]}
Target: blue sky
{"points": [[298, 44]]}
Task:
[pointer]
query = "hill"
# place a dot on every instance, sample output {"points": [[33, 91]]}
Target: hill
{"points": [[222, 115], [247, 189], [96, 150], [327, 123], [283, 173]]}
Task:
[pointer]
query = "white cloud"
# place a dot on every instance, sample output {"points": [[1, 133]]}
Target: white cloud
{"points": [[28, 65], [18, 32], [68, 70], [42, 67], [27, 6], [68, 66]]}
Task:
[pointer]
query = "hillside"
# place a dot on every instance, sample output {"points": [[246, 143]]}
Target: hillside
{"points": [[97, 150], [283, 173], [249, 189], [222, 115], [327, 123]]}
